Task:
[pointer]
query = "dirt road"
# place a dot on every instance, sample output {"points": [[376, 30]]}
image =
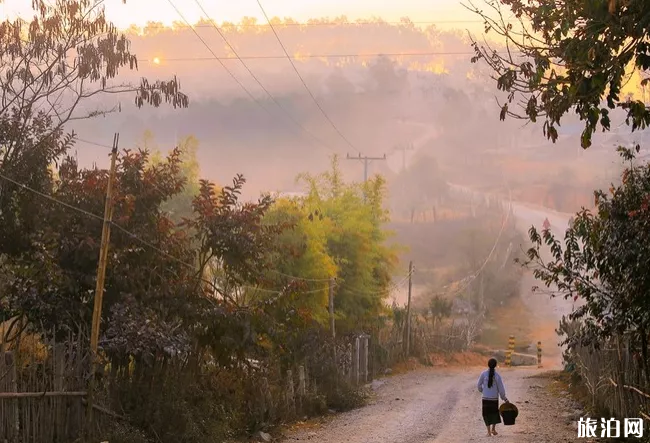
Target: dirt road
{"points": [[443, 405]]}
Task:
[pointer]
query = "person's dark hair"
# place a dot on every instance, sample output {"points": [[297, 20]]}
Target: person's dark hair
{"points": [[492, 363]]}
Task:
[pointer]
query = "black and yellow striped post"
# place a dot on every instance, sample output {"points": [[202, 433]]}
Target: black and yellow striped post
{"points": [[539, 354], [511, 349]]}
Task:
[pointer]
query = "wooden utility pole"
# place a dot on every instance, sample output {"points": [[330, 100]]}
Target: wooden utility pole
{"points": [[101, 274], [408, 312], [331, 308], [332, 323], [366, 161]]}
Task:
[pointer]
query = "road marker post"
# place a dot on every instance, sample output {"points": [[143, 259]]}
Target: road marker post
{"points": [[511, 349], [539, 354]]}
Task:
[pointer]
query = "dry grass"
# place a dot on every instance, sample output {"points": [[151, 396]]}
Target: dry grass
{"points": [[460, 359], [514, 318], [405, 366]]}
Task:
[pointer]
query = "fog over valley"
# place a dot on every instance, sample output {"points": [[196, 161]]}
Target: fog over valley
{"points": [[440, 103]]}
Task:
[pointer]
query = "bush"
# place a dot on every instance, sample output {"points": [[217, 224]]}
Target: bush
{"points": [[120, 432], [346, 397]]}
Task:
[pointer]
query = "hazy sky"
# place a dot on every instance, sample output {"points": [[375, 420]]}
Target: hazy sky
{"points": [[448, 13]]}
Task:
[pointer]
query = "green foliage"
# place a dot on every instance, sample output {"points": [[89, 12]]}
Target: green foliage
{"points": [[574, 56], [184, 330], [351, 218], [602, 263], [302, 251]]}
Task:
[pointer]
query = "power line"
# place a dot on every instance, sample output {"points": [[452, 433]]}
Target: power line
{"points": [[214, 57], [386, 291], [88, 142], [318, 24], [140, 240], [302, 79], [300, 278], [470, 278], [308, 56], [279, 105]]}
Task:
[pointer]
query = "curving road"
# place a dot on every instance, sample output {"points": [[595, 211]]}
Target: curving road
{"points": [[443, 406]]}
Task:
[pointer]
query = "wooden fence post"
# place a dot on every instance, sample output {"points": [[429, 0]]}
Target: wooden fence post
{"points": [[355, 362], [302, 390], [9, 413], [58, 364], [364, 359], [539, 354], [290, 395], [267, 399]]}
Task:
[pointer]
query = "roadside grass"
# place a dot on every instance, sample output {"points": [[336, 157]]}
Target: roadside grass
{"points": [[513, 318]]}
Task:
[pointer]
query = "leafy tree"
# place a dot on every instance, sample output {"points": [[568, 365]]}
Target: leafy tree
{"points": [[352, 216], [233, 240], [573, 56], [53, 66], [53, 286], [302, 251], [602, 263], [439, 308], [155, 296]]}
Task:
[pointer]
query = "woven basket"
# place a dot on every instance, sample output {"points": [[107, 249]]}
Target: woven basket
{"points": [[509, 413]]}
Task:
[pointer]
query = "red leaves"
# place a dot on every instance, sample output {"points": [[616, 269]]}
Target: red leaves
{"points": [[232, 231], [643, 209]]}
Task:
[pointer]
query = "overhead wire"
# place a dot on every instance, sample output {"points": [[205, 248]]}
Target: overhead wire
{"points": [[319, 24], [302, 80], [300, 278], [385, 291], [293, 277], [277, 103], [349, 55], [90, 142], [215, 57], [470, 278], [140, 240]]}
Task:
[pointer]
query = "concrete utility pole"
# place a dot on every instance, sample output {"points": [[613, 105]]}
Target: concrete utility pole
{"points": [[366, 160], [408, 312], [101, 275], [404, 148]]}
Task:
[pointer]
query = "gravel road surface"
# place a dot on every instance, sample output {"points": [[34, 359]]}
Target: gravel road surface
{"points": [[444, 406]]}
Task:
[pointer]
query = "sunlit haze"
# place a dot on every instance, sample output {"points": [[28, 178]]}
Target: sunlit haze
{"points": [[323, 220], [139, 12]]}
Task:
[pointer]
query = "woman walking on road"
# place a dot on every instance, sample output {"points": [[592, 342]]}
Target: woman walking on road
{"points": [[491, 386]]}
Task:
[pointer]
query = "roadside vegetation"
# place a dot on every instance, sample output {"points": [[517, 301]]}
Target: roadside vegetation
{"points": [[558, 65], [215, 320]]}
